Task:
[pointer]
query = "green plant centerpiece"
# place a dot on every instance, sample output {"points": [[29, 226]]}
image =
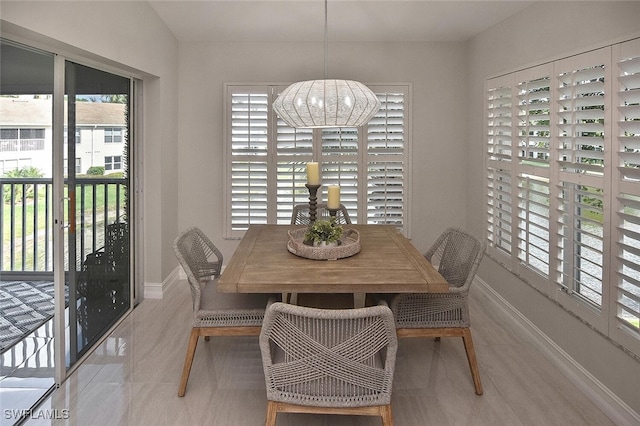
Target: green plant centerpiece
{"points": [[323, 232]]}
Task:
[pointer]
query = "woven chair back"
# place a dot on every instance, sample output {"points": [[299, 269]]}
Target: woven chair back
{"points": [[300, 215], [329, 358], [199, 258], [457, 254]]}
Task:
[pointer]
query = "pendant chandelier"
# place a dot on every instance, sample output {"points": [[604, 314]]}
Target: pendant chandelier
{"points": [[328, 102]]}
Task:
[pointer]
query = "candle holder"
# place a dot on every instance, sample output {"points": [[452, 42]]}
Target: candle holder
{"points": [[313, 202], [332, 214]]}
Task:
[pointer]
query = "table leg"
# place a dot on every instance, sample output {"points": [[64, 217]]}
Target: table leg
{"points": [[358, 300], [291, 298]]}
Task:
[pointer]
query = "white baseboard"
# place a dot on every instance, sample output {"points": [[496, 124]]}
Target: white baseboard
{"points": [[616, 409], [156, 290], [153, 290]]}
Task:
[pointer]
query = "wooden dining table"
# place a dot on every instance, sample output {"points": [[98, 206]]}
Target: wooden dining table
{"points": [[387, 263]]}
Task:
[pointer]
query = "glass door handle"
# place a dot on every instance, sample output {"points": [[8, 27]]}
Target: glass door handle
{"points": [[63, 225]]}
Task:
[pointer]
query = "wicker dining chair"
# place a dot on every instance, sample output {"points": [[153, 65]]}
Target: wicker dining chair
{"points": [[328, 361], [214, 313], [300, 214], [457, 255]]}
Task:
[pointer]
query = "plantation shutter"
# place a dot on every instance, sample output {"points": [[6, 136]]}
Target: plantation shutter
{"points": [[533, 222], [249, 149], [499, 225], [499, 116], [294, 149], [629, 119], [580, 84], [627, 274], [581, 237], [533, 88], [499, 209], [386, 160], [265, 171], [582, 107], [340, 165], [628, 256], [563, 183], [534, 129]]}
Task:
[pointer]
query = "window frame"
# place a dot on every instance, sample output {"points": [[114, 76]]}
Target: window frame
{"points": [[113, 135], [595, 115], [112, 161], [315, 154]]}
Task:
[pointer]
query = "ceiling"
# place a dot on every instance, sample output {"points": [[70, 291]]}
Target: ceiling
{"points": [[347, 20]]}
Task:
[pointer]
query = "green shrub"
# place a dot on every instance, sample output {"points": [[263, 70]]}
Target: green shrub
{"points": [[25, 172], [96, 171]]}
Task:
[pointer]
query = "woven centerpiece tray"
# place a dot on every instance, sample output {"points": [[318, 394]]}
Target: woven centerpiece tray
{"points": [[348, 246]]}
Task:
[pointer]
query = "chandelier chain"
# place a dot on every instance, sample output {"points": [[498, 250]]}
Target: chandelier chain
{"points": [[326, 40]]}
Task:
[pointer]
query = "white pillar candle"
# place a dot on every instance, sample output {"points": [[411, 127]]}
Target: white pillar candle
{"points": [[333, 202], [313, 173]]}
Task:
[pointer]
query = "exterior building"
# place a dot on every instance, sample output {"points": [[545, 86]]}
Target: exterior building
{"points": [[26, 135]]}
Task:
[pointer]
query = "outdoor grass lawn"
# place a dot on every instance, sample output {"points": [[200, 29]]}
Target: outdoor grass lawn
{"points": [[32, 214]]}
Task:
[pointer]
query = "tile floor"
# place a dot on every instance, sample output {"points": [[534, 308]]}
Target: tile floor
{"points": [[132, 378], [26, 372]]}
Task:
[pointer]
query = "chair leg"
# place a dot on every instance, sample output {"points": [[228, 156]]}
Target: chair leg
{"points": [[272, 413], [471, 357], [188, 361], [387, 415]]}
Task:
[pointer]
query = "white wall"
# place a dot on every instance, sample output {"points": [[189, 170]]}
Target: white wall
{"points": [[129, 37], [189, 132], [436, 70], [544, 31], [183, 123]]}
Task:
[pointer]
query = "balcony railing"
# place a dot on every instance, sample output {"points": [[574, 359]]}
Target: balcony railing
{"points": [[26, 220], [17, 145]]}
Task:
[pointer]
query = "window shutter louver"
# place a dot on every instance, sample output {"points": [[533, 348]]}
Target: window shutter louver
{"points": [[533, 222], [249, 136], [581, 241], [581, 113], [386, 159], [249, 194], [340, 166], [499, 210], [629, 107], [499, 105], [628, 256], [533, 120], [628, 167], [534, 127], [385, 193], [294, 149], [500, 132]]}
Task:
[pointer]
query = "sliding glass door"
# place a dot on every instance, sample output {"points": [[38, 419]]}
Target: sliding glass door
{"points": [[65, 264], [27, 343], [97, 105]]}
